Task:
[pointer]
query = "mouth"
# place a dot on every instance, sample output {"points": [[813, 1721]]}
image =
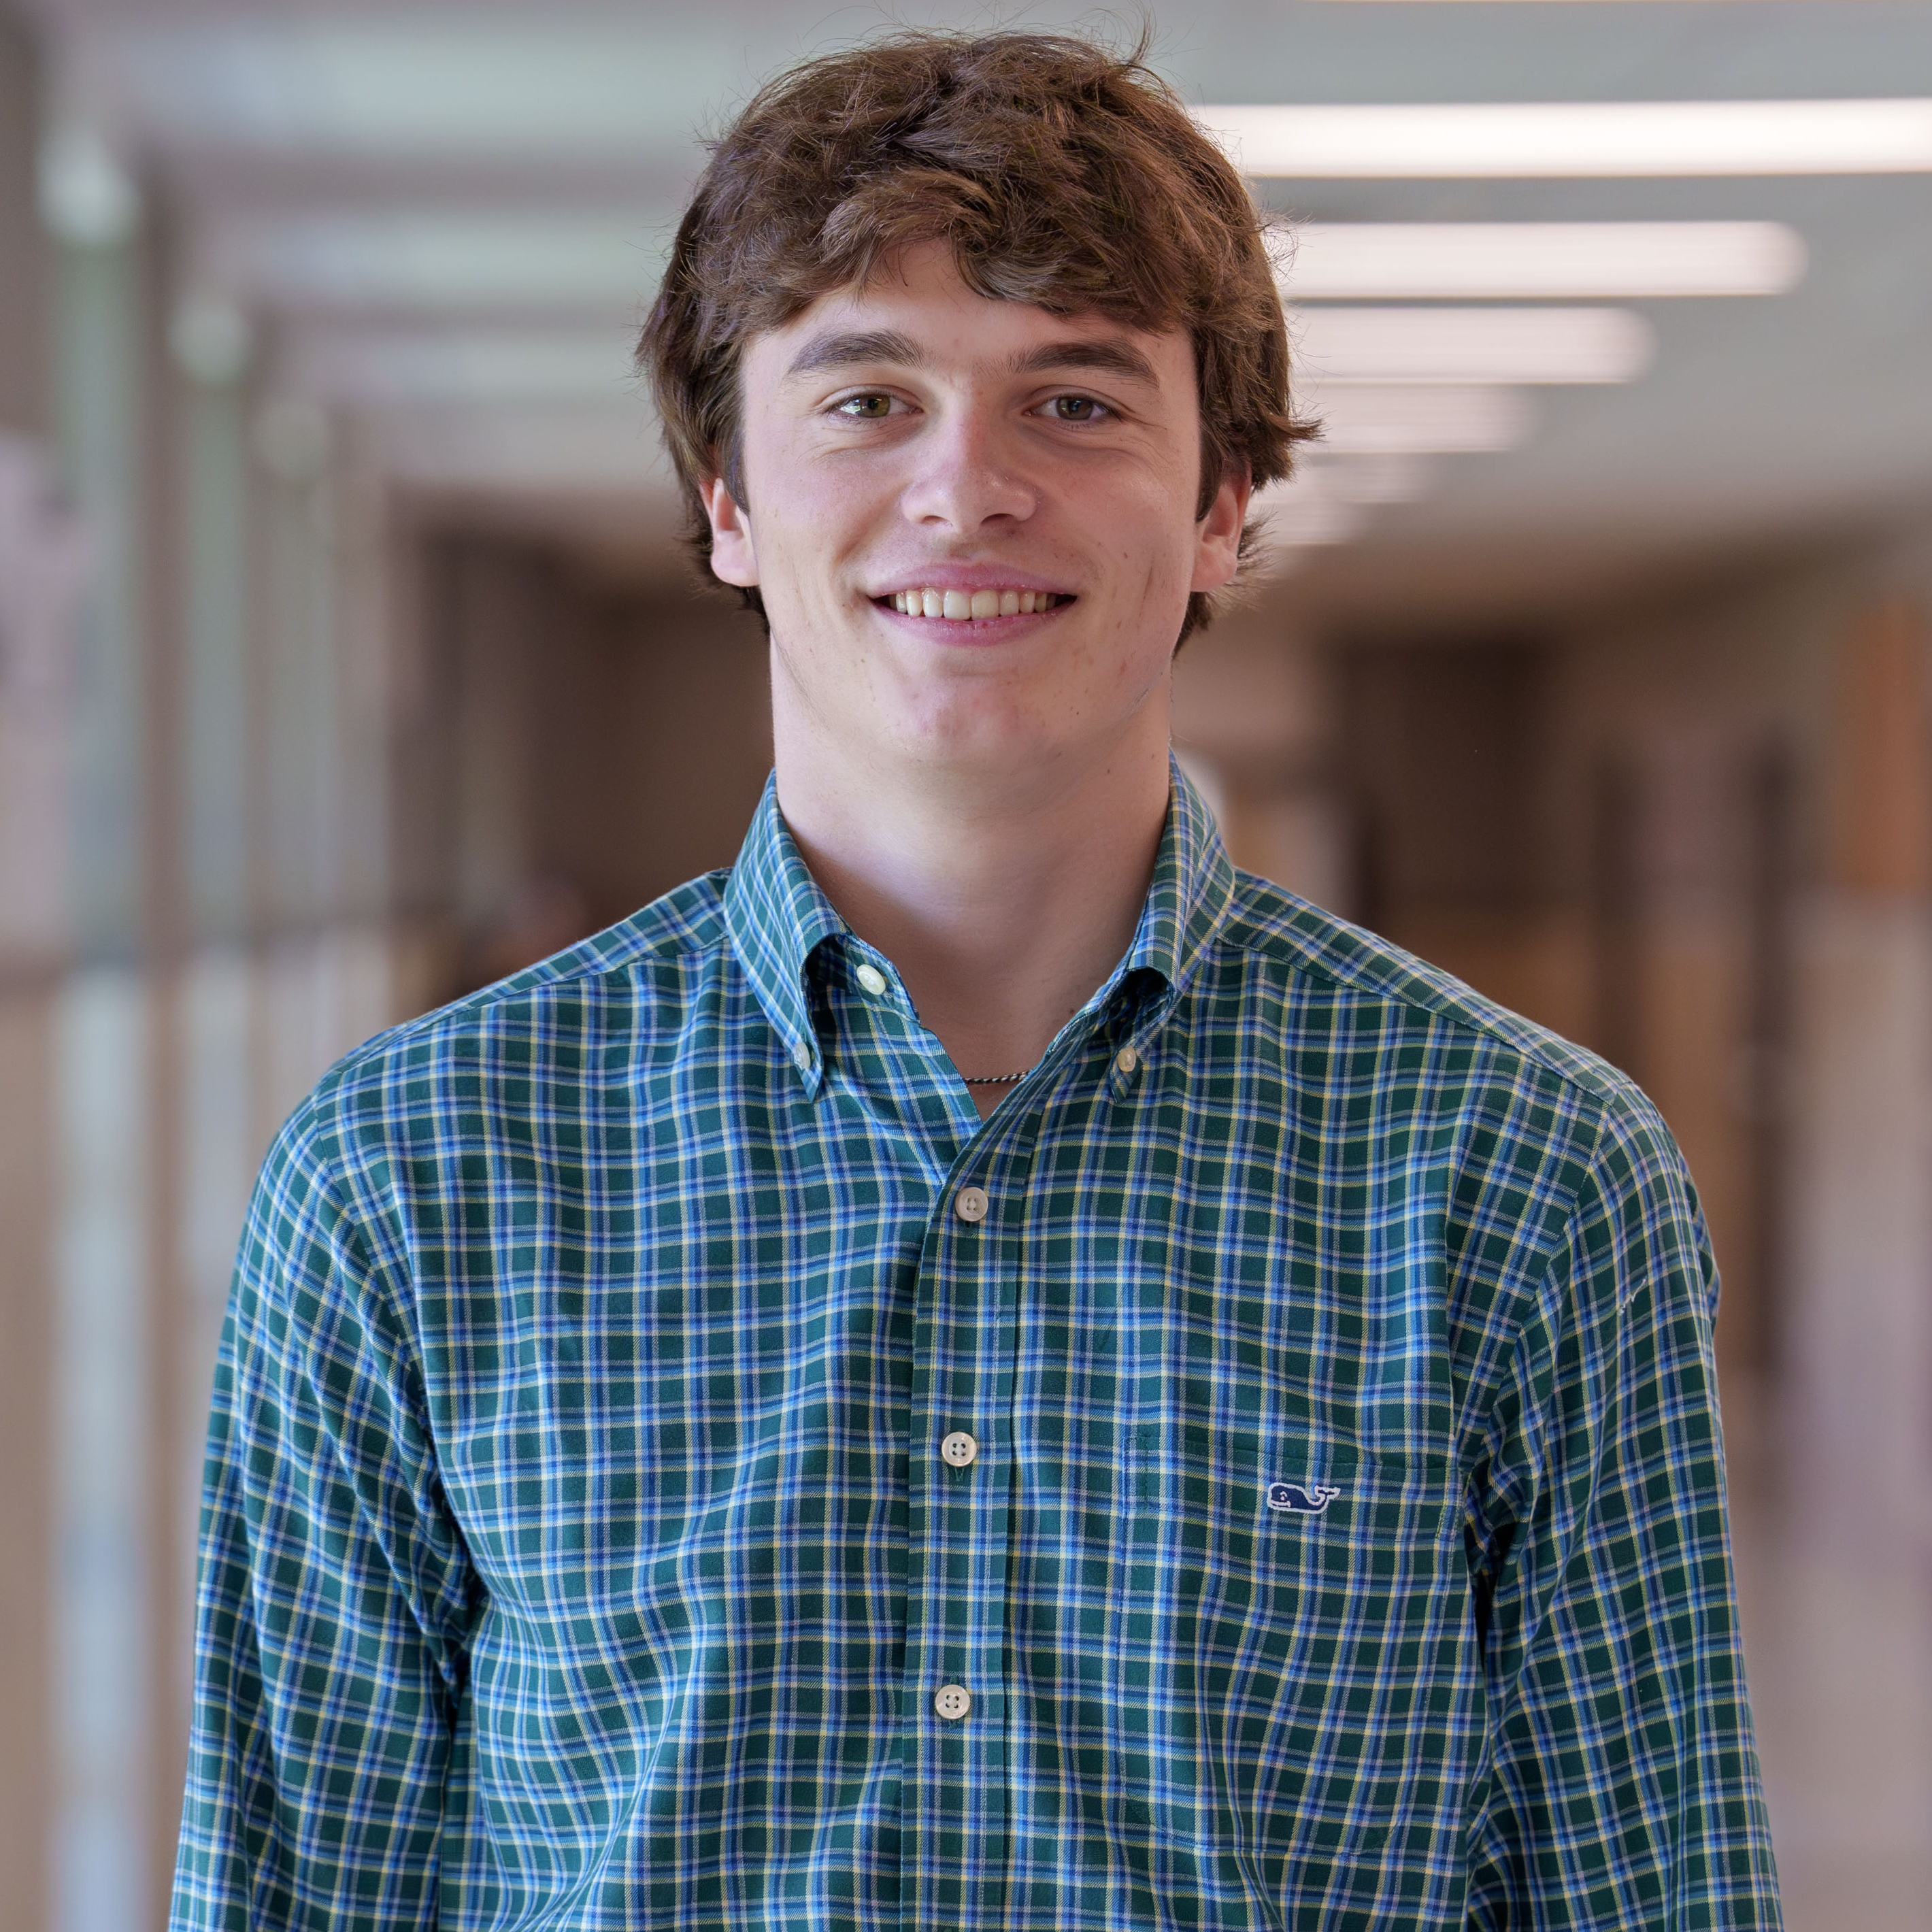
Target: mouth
{"points": [[971, 607]]}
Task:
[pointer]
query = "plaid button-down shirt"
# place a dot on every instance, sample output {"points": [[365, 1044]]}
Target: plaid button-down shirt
{"points": [[1345, 1544]]}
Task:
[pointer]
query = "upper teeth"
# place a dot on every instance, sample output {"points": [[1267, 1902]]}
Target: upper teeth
{"points": [[962, 603]]}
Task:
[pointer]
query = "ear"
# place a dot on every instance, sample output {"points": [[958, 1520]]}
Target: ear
{"points": [[1217, 537], [734, 558]]}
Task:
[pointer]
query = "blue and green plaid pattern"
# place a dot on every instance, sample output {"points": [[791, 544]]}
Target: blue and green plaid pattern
{"points": [[1346, 1546]]}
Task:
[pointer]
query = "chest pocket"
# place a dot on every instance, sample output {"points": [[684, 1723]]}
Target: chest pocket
{"points": [[1288, 1615], [1287, 1527]]}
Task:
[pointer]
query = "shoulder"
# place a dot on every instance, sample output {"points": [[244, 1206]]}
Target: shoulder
{"points": [[1342, 967], [625, 990], [1342, 974], [1525, 1109]]}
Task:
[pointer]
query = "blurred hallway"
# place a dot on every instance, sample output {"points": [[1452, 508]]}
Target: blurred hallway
{"points": [[347, 662]]}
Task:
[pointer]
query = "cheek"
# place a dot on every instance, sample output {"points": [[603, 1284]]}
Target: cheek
{"points": [[815, 523], [1151, 524], [1154, 555]]}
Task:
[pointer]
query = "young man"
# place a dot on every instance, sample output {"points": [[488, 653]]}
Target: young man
{"points": [[982, 1369]]}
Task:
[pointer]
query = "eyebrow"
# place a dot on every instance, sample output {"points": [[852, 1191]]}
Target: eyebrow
{"points": [[851, 347], [1119, 359], [854, 345]]}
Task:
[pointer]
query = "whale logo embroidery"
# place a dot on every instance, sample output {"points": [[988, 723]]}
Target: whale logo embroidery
{"points": [[1296, 1499]]}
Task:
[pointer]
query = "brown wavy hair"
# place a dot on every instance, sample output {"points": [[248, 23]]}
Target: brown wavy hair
{"points": [[1060, 172]]}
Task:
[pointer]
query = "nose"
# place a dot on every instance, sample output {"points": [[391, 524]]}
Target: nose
{"points": [[967, 476]]}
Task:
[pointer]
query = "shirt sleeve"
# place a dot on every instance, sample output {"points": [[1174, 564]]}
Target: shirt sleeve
{"points": [[1623, 1786], [334, 1596]]}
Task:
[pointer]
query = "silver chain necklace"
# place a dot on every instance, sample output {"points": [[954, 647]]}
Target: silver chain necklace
{"points": [[994, 1079]]}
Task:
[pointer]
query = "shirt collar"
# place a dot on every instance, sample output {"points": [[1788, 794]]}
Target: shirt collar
{"points": [[777, 916], [1193, 882]]}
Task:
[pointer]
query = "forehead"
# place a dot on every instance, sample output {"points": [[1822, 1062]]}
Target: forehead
{"points": [[918, 308]]}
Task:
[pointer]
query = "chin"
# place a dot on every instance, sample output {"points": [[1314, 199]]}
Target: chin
{"points": [[1018, 748]]}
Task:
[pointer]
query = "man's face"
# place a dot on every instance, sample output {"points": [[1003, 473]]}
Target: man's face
{"points": [[972, 522]]}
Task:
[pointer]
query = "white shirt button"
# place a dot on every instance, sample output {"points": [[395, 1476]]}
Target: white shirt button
{"points": [[953, 1702], [871, 979], [802, 1055], [1126, 1059], [969, 1204], [959, 1448]]}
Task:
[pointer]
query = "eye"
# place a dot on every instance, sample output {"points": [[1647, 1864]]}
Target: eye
{"points": [[1075, 409], [867, 408]]}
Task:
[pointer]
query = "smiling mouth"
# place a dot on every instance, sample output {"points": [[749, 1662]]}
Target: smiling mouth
{"points": [[962, 607]]}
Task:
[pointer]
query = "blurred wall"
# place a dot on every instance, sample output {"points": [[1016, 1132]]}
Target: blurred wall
{"points": [[26, 1079], [23, 285], [593, 743]]}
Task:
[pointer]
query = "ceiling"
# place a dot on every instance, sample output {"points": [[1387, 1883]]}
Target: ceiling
{"points": [[446, 218]]}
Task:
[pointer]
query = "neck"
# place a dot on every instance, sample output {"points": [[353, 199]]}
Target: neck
{"points": [[1003, 899]]}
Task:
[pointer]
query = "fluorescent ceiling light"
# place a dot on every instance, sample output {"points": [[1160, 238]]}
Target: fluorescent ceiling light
{"points": [[1471, 345], [1295, 520], [1476, 260], [477, 88], [1362, 420], [435, 261], [1326, 500], [1394, 478], [1580, 138]]}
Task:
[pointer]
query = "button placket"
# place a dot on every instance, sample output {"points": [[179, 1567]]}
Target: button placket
{"points": [[956, 1795]]}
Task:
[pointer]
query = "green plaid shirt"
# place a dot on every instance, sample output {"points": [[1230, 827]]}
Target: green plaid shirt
{"points": [[673, 1466]]}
